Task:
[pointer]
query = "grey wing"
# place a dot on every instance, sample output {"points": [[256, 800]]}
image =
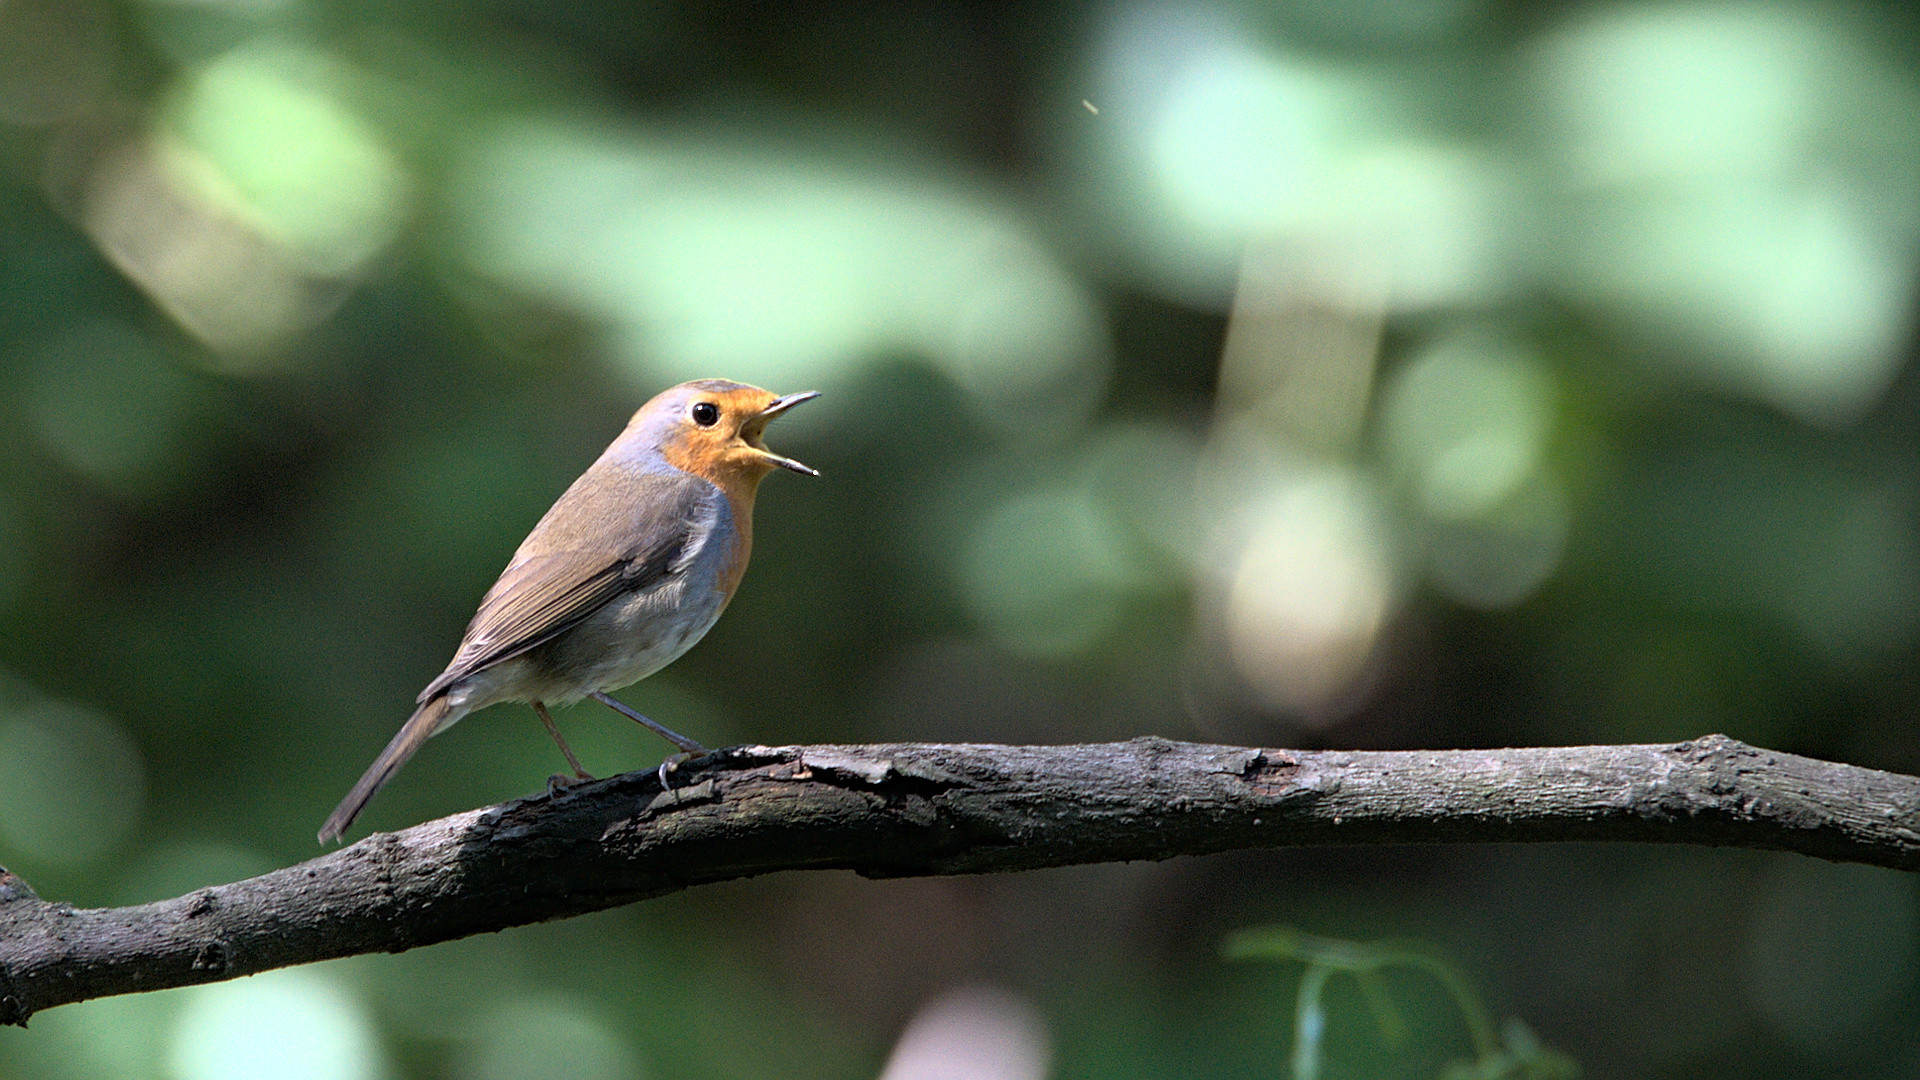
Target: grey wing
{"points": [[541, 596]]}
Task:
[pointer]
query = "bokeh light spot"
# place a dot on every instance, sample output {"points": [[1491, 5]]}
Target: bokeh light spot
{"points": [[1786, 295], [779, 266], [1242, 140], [292, 1024], [284, 151], [1500, 558], [250, 203], [1679, 90], [1311, 583], [1225, 138], [979, 1033], [1467, 422]]}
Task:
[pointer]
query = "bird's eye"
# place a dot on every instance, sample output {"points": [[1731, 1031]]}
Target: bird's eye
{"points": [[706, 414]]}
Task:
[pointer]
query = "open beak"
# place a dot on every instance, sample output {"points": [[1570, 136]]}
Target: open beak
{"points": [[780, 405]]}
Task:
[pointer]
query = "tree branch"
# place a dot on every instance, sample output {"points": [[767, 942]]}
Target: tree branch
{"points": [[903, 810]]}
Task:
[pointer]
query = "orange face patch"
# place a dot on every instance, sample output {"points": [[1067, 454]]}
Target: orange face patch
{"points": [[718, 437]]}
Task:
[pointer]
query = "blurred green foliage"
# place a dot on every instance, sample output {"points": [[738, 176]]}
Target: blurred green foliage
{"points": [[1380, 373], [1511, 1053]]}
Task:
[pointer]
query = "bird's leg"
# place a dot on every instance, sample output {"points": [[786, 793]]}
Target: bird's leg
{"points": [[667, 733], [688, 748], [580, 775]]}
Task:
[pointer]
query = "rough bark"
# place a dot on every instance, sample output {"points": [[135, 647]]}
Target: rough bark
{"points": [[901, 810]]}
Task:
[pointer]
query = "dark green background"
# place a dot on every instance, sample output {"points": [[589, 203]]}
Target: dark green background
{"points": [[309, 308]]}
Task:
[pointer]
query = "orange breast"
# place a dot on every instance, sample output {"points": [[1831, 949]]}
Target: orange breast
{"points": [[739, 484], [736, 566]]}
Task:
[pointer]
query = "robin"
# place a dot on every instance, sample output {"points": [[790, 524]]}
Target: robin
{"points": [[631, 567]]}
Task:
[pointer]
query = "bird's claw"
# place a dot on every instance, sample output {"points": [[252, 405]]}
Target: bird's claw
{"points": [[559, 782], [672, 764]]}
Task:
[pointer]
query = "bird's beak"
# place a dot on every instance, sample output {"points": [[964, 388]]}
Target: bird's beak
{"points": [[780, 405]]}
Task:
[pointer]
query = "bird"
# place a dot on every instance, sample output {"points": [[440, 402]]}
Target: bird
{"points": [[629, 568]]}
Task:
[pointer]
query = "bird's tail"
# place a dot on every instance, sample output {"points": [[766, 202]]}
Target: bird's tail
{"points": [[425, 721]]}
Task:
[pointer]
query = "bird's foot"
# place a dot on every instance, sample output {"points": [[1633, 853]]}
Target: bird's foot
{"points": [[672, 764], [559, 782]]}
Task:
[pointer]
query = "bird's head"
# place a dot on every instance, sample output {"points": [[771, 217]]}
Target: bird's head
{"points": [[714, 429]]}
